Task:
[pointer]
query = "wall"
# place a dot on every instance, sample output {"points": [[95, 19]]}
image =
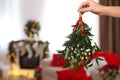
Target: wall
{"points": [[10, 28], [58, 17], [55, 17]]}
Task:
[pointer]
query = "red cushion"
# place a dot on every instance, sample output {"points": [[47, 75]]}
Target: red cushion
{"points": [[81, 77], [64, 74], [112, 59], [98, 54], [58, 62], [67, 74]]}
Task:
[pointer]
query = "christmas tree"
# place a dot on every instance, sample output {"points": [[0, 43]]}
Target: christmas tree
{"points": [[79, 48]]}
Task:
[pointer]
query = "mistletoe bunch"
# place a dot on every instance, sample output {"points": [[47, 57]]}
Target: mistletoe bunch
{"points": [[32, 28], [78, 49]]}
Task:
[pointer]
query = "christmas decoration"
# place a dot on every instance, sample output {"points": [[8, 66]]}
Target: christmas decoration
{"points": [[12, 54], [79, 48], [108, 73], [28, 48], [46, 50], [32, 28], [38, 74]]}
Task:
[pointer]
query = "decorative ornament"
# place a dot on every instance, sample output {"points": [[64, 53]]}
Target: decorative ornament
{"points": [[38, 47], [32, 28], [46, 50], [30, 48], [38, 74], [108, 73], [21, 48], [12, 54], [78, 49]]}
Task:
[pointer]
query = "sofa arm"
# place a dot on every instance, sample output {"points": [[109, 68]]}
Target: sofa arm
{"points": [[46, 63]]}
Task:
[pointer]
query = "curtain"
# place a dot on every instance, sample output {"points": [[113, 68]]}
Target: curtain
{"points": [[110, 30]]}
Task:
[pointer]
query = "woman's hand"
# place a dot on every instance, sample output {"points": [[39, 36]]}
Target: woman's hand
{"points": [[90, 6]]}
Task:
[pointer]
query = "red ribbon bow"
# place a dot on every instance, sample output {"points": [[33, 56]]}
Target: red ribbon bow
{"points": [[79, 21]]}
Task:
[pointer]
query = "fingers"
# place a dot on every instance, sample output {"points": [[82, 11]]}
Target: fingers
{"points": [[84, 10], [83, 6]]}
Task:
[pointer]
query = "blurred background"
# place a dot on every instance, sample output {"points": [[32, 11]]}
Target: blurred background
{"points": [[55, 17]]}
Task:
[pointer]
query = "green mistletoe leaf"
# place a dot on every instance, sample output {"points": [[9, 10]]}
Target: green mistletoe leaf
{"points": [[67, 65], [100, 59], [97, 61], [90, 65]]}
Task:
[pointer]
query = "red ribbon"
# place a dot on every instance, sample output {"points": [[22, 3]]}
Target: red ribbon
{"points": [[82, 29], [79, 21]]}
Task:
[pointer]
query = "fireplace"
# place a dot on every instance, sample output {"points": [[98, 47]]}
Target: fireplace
{"points": [[29, 63], [29, 53]]}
